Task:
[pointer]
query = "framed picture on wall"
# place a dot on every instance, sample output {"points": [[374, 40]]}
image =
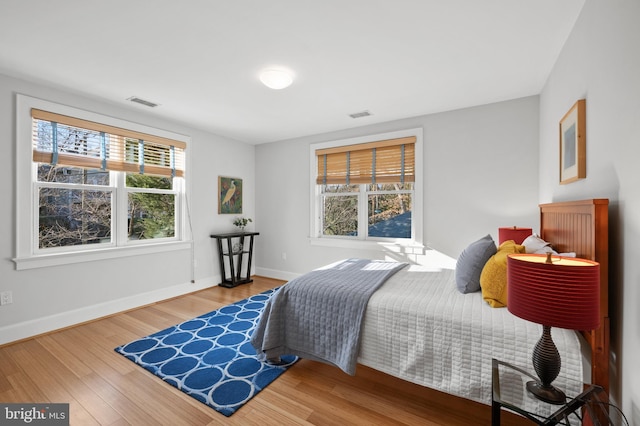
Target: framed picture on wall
{"points": [[229, 195], [573, 150]]}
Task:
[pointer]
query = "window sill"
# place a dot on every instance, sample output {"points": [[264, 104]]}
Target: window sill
{"points": [[56, 259], [405, 247]]}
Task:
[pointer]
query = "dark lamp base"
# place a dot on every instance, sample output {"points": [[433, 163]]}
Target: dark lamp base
{"points": [[548, 394]]}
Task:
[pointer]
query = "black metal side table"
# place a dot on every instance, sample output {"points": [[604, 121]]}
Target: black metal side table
{"points": [[509, 392], [233, 254]]}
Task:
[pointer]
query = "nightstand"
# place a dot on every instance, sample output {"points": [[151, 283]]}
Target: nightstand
{"points": [[232, 254], [509, 392]]}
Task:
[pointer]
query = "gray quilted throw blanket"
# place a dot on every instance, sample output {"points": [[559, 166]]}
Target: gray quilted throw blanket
{"points": [[319, 315]]}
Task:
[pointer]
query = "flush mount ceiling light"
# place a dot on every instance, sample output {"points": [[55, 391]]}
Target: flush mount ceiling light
{"points": [[276, 78]]}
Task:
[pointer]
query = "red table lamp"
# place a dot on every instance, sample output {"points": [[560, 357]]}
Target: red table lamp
{"points": [[513, 233], [554, 292]]}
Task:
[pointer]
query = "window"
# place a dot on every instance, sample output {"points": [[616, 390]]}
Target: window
{"points": [[365, 189], [94, 185]]}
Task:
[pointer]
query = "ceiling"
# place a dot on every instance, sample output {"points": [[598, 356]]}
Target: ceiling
{"points": [[200, 59]]}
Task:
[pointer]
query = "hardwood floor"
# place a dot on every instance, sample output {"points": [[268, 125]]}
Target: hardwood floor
{"points": [[78, 365]]}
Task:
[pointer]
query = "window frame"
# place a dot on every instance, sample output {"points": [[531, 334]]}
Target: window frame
{"points": [[28, 255], [124, 192], [38, 185], [401, 244]]}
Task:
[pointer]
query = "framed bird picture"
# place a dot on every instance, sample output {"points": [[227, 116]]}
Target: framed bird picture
{"points": [[229, 195]]}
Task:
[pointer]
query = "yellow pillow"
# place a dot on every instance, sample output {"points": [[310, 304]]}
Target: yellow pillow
{"points": [[493, 279]]}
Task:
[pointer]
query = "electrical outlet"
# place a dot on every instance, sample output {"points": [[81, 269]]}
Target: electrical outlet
{"points": [[284, 256], [6, 298]]}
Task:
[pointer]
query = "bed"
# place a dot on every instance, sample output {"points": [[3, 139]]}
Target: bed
{"points": [[418, 327]]}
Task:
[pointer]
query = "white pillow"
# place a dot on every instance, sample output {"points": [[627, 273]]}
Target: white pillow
{"points": [[536, 245]]}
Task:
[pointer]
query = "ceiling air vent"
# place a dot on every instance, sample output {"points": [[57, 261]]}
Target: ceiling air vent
{"points": [[360, 114], [142, 102]]}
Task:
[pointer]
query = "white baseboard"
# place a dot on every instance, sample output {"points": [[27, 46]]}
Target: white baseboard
{"points": [[276, 274], [31, 328]]}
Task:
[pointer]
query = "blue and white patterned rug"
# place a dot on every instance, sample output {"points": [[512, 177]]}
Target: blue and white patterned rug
{"points": [[210, 357]]}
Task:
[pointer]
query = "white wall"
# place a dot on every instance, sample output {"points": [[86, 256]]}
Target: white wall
{"points": [[480, 172], [53, 297], [601, 63]]}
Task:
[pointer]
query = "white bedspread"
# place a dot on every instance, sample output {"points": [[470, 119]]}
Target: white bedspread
{"points": [[418, 327]]}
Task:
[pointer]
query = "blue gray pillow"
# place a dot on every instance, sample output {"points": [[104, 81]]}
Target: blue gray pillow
{"points": [[470, 263]]}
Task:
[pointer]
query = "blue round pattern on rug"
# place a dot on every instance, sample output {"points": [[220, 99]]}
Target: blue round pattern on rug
{"points": [[179, 366], [203, 378], [141, 345], [232, 392], [210, 332], [231, 309], [192, 325], [219, 356], [248, 315], [231, 339], [240, 326], [157, 355], [243, 367], [177, 338], [211, 357], [221, 319], [247, 349], [197, 347], [254, 306]]}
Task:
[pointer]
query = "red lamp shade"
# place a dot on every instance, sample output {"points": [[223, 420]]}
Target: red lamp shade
{"points": [[555, 292], [513, 233], [564, 293]]}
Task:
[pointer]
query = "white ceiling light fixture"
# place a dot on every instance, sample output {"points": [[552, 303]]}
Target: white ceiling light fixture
{"points": [[276, 78]]}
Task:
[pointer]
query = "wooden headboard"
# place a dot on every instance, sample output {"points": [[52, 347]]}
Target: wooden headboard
{"points": [[583, 227]]}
